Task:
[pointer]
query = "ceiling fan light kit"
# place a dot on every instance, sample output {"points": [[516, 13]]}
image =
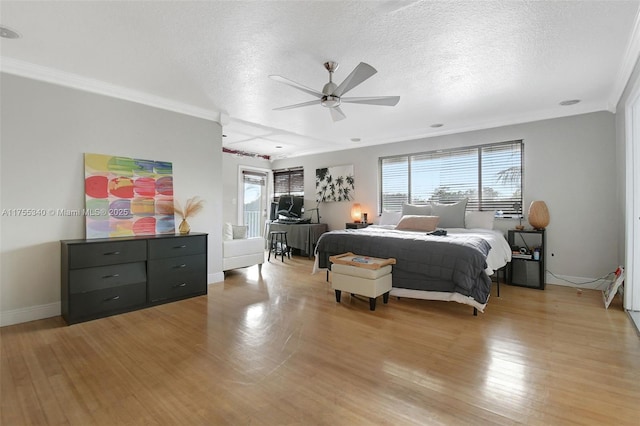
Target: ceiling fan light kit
{"points": [[331, 95], [330, 101]]}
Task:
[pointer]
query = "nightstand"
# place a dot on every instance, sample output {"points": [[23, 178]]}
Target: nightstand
{"points": [[356, 225], [527, 268]]}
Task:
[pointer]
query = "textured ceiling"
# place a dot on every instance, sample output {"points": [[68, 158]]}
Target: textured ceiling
{"points": [[467, 65]]}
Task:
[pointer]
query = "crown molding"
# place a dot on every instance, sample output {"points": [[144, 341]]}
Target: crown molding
{"points": [[627, 66], [556, 112], [75, 81]]}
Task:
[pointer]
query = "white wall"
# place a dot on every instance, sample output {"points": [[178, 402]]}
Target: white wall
{"points": [[45, 131], [570, 163]]}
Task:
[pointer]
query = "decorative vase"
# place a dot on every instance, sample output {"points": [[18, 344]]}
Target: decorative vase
{"points": [[538, 215], [184, 227]]}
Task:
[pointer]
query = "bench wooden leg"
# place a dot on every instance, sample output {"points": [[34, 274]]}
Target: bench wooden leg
{"points": [[338, 293], [372, 303], [385, 297]]}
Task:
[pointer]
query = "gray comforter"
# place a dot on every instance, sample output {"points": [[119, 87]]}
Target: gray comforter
{"points": [[424, 262]]}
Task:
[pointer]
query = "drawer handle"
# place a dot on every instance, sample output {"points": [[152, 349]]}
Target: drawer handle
{"points": [[109, 299], [111, 276], [180, 285], [182, 246], [184, 265], [112, 253]]}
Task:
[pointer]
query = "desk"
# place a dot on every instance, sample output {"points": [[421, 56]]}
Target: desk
{"points": [[301, 236]]}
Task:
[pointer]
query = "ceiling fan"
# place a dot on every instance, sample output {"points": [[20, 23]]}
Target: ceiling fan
{"points": [[331, 94]]}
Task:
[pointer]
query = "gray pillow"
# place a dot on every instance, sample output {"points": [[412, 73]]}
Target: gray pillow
{"points": [[416, 210], [451, 215], [239, 232]]}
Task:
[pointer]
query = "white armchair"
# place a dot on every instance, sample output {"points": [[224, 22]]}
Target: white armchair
{"points": [[240, 252]]}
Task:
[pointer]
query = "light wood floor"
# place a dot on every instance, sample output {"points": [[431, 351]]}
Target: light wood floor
{"points": [[277, 349]]}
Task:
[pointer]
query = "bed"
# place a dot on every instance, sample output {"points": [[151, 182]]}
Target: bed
{"points": [[452, 267]]}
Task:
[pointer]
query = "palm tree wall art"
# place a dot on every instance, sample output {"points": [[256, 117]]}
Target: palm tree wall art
{"points": [[335, 184]]}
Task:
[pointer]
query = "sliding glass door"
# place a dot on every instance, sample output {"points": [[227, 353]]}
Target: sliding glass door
{"points": [[254, 197]]}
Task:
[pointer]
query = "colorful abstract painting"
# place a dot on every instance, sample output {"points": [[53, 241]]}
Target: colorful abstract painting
{"points": [[127, 196], [335, 184]]}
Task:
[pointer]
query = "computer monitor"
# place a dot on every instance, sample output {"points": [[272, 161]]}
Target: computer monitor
{"points": [[273, 213], [291, 206]]}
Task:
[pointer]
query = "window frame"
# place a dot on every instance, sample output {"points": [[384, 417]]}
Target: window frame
{"points": [[293, 172], [408, 184]]}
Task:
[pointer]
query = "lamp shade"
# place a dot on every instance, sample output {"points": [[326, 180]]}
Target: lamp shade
{"points": [[356, 213], [538, 215]]}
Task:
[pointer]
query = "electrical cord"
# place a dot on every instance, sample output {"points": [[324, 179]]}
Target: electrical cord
{"points": [[586, 282], [524, 242]]}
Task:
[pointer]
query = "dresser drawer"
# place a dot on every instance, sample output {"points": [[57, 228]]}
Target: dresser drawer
{"points": [[101, 277], [177, 277], [100, 302], [108, 253], [107, 276], [179, 246]]}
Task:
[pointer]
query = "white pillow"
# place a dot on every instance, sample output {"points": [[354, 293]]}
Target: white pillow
{"points": [[239, 232], [390, 218], [227, 232], [482, 220]]}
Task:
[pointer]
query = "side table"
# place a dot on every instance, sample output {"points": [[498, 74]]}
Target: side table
{"points": [[527, 266], [356, 225]]}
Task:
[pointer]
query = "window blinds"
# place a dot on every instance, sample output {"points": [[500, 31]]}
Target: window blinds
{"points": [[490, 176], [395, 184], [256, 178], [289, 181]]}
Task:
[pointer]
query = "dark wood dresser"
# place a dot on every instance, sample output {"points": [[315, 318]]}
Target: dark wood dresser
{"points": [[102, 277]]}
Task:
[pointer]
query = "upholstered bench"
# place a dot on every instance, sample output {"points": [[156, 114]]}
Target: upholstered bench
{"points": [[362, 275]]}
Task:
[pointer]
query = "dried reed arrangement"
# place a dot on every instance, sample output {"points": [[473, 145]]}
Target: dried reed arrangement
{"points": [[192, 207]]}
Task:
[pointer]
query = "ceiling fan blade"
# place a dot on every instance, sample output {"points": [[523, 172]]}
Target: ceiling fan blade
{"points": [[337, 114], [373, 100], [303, 104], [298, 86], [358, 75]]}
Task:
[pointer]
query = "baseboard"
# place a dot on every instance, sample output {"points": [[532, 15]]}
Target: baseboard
{"points": [[32, 313], [216, 277], [579, 282], [635, 320]]}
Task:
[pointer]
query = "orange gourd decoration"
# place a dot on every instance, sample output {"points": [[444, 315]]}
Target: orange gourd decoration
{"points": [[538, 215]]}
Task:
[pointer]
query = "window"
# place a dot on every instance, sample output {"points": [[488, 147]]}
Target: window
{"points": [[490, 176], [289, 181]]}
